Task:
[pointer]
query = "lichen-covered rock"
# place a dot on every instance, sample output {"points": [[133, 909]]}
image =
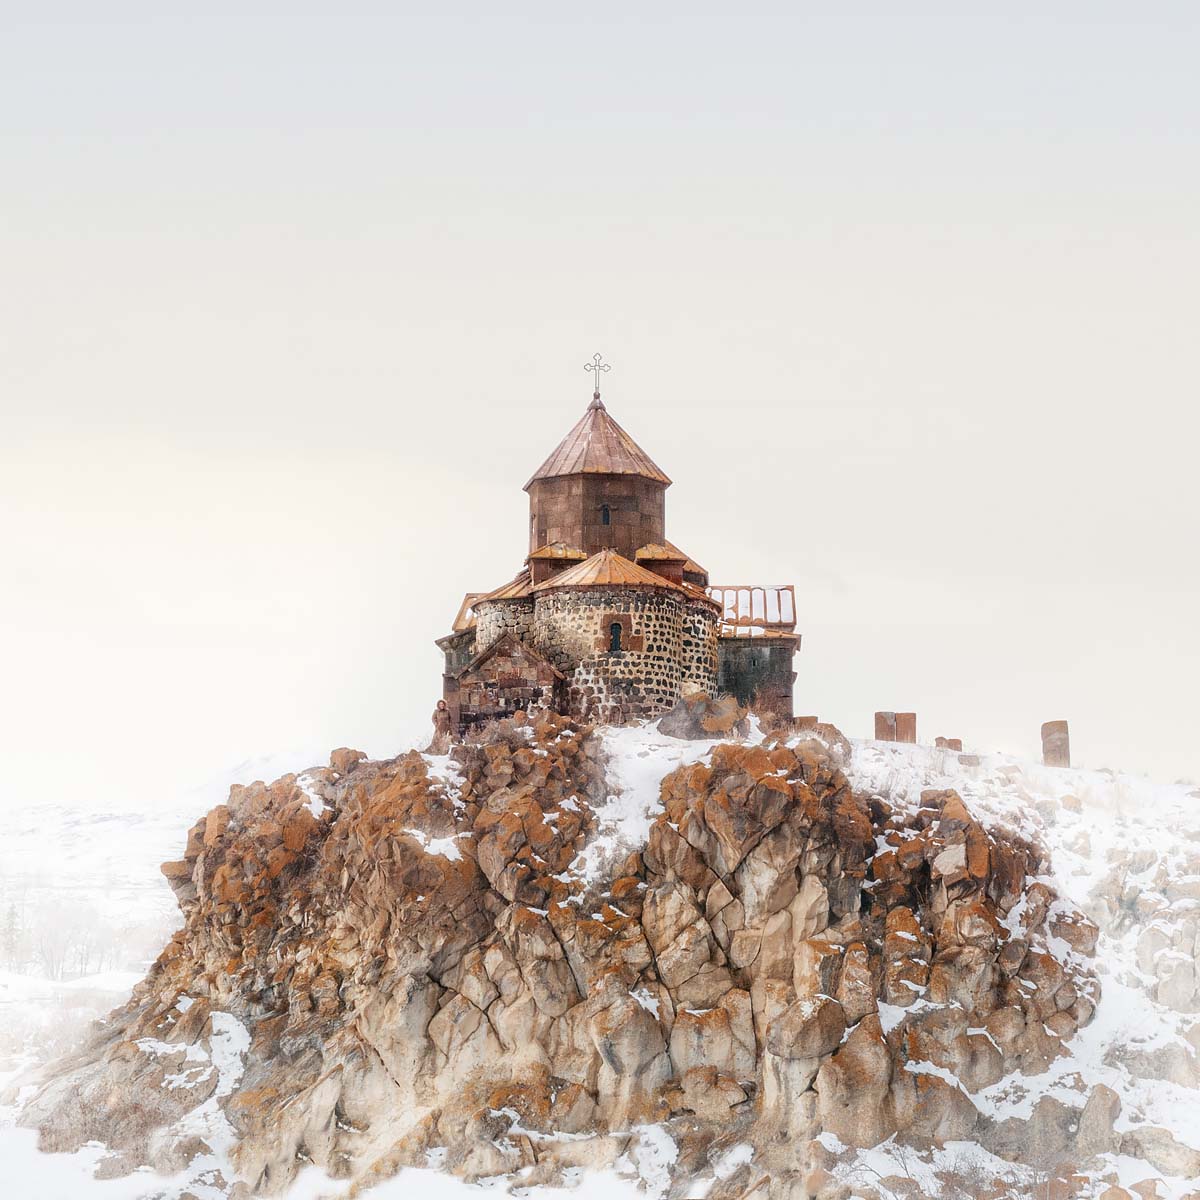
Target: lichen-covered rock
{"points": [[380, 958], [701, 716]]}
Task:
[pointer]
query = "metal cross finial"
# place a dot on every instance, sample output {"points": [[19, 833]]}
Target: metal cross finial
{"points": [[597, 366]]}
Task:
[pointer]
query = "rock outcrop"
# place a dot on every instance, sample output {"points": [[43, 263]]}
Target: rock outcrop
{"points": [[380, 960]]}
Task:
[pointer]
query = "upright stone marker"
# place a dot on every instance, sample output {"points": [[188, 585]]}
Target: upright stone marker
{"points": [[885, 726], [906, 727], [1056, 744]]}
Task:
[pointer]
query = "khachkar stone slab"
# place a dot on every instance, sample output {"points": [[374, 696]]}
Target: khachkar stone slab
{"points": [[1056, 744], [896, 727]]}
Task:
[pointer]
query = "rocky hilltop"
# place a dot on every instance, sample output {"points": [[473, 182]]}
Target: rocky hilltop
{"points": [[555, 950]]}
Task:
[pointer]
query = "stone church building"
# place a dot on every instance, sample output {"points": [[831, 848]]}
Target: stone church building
{"points": [[608, 620]]}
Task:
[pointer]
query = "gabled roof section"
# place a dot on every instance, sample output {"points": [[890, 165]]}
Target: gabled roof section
{"points": [[606, 569], [516, 590], [656, 552], [466, 613], [598, 446], [509, 641], [690, 566]]}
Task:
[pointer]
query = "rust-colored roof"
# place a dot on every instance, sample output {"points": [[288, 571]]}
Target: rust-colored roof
{"points": [[752, 611], [598, 446], [516, 590], [690, 566], [698, 593], [607, 569], [655, 552], [559, 550]]}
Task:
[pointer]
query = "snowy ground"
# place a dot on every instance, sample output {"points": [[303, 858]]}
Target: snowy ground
{"points": [[1107, 833], [1111, 836]]}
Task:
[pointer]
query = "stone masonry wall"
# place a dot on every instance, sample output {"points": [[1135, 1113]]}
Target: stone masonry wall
{"points": [[699, 647], [494, 618], [513, 678], [570, 509], [572, 628], [758, 671]]}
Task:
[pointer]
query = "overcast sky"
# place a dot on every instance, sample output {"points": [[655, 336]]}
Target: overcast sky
{"points": [[294, 298]]}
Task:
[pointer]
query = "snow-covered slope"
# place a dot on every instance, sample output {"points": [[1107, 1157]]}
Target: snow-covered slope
{"points": [[1124, 850]]}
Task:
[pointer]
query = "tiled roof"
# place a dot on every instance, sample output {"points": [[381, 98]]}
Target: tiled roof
{"points": [[608, 568], [698, 593], [598, 446], [690, 567], [559, 550], [656, 552], [516, 590], [756, 611]]}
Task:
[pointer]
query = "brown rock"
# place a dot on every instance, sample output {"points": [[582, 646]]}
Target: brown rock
{"points": [[858, 985], [810, 1028], [297, 829], [711, 972], [1077, 931], [344, 760], [853, 1087], [215, 824], [702, 717]]}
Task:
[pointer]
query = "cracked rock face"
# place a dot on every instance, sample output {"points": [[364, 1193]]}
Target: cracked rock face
{"points": [[384, 960]]}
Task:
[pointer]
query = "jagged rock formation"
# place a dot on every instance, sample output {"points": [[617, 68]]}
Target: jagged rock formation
{"points": [[383, 958]]}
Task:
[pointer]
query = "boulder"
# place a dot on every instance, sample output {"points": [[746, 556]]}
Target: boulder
{"points": [[701, 717], [810, 1028]]}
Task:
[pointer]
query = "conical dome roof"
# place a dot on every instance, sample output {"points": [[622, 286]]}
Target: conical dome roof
{"points": [[598, 446]]}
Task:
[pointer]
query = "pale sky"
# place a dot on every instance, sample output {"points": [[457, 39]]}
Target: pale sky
{"points": [[294, 298]]}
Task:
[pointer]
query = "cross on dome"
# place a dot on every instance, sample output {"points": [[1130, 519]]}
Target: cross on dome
{"points": [[596, 366]]}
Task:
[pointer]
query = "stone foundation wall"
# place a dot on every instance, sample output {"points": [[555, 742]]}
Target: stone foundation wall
{"points": [[699, 647], [494, 618], [642, 679]]}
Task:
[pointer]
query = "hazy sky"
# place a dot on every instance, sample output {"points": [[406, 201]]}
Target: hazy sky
{"points": [[294, 298]]}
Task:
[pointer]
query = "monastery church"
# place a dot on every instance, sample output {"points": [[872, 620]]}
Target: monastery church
{"points": [[608, 620]]}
